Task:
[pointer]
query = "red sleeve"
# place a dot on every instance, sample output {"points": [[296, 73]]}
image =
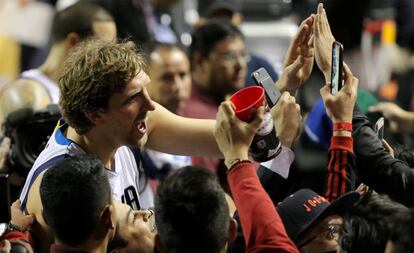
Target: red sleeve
{"points": [[341, 168], [262, 227], [16, 235]]}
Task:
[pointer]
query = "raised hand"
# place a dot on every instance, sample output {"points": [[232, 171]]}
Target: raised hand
{"points": [[287, 119], [399, 119], [18, 218], [299, 59], [322, 40], [340, 106], [234, 136]]}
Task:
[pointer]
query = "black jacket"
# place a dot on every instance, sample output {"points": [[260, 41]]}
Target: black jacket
{"points": [[376, 167]]}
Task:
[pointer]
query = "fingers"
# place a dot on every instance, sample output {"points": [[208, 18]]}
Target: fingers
{"points": [[258, 118], [293, 69], [380, 107], [388, 147], [227, 108], [304, 30], [16, 204], [325, 91], [347, 71], [6, 247], [351, 82]]}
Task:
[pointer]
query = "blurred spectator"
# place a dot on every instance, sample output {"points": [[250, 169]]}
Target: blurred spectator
{"points": [[139, 20], [38, 87], [169, 70], [218, 69], [232, 10]]}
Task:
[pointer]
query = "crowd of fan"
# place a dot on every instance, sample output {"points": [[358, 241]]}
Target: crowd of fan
{"points": [[123, 172]]}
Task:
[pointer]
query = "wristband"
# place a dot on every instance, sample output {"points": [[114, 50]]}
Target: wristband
{"points": [[342, 126], [235, 162]]}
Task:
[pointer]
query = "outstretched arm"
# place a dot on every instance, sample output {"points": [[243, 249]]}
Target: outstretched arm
{"points": [[262, 227], [170, 133]]}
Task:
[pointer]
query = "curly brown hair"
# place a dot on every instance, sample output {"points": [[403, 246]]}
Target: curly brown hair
{"points": [[91, 74]]}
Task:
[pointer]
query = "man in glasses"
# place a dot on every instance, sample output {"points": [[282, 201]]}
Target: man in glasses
{"points": [[312, 222], [218, 68]]}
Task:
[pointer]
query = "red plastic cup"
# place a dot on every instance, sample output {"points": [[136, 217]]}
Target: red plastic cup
{"points": [[247, 101]]}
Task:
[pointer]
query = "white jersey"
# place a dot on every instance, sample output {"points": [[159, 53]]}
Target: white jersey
{"points": [[49, 85], [174, 162], [124, 178]]}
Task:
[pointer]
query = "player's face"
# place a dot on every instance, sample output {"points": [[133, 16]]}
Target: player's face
{"points": [[126, 117]]}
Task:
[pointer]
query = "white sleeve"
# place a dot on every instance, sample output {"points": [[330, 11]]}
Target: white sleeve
{"points": [[281, 163]]}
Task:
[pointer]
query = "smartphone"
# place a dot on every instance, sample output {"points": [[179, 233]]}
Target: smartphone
{"points": [[379, 128], [5, 198], [336, 67], [262, 78]]}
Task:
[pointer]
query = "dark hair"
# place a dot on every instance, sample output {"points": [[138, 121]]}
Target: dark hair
{"points": [[404, 153], [78, 18], [191, 211], [74, 193], [92, 73], [402, 226], [365, 227], [205, 37]]}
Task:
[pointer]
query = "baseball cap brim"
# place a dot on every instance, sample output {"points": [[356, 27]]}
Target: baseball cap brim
{"points": [[340, 206]]}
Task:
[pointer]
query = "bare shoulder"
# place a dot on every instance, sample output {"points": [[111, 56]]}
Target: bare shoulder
{"points": [[40, 231], [22, 93]]}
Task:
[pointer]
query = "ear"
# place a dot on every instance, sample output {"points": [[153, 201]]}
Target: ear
{"points": [[232, 230], [197, 60], [108, 217], [94, 116], [158, 245], [71, 40]]}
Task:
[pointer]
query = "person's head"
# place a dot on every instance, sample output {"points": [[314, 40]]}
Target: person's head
{"points": [[103, 87], [404, 153], [169, 70], [77, 202], [191, 213], [402, 233], [366, 225], [80, 21], [313, 223], [221, 9], [135, 231], [218, 58]]}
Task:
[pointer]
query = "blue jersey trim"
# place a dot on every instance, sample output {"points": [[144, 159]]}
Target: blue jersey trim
{"points": [[59, 137]]}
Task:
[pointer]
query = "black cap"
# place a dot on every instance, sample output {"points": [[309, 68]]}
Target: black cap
{"points": [[208, 7], [305, 208]]}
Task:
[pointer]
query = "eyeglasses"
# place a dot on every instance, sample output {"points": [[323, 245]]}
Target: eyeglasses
{"points": [[231, 56], [330, 233]]}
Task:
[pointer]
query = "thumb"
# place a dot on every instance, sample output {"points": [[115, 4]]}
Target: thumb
{"points": [[326, 91], [295, 66], [28, 219], [258, 118]]}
